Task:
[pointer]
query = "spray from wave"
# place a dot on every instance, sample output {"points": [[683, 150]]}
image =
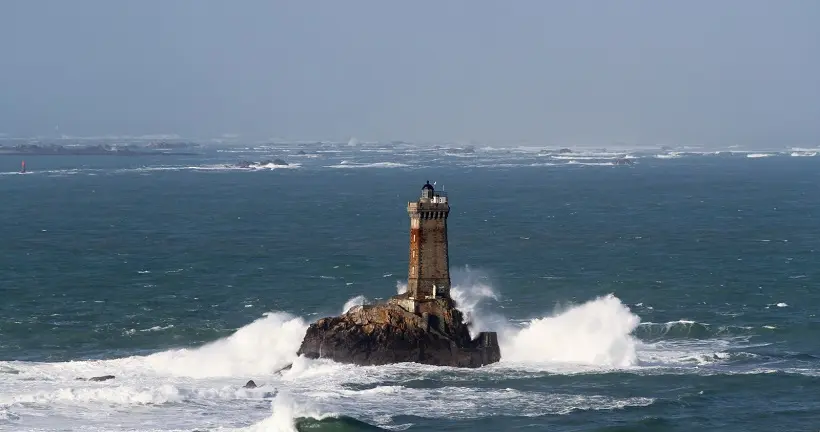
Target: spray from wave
{"points": [[285, 412], [598, 332], [288, 415], [261, 347], [470, 290]]}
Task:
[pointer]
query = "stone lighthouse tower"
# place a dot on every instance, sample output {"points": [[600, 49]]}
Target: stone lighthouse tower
{"points": [[428, 276], [423, 324]]}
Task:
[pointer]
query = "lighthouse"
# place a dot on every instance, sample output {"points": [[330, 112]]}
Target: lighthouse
{"points": [[422, 324], [428, 276]]}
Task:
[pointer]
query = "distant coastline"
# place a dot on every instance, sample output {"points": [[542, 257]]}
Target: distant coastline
{"points": [[153, 149]]}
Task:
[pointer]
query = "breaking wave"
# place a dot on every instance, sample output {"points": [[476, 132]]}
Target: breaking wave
{"points": [[261, 347], [598, 332], [289, 416], [355, 301], [672, 155], [685, 329], [598, 335]]}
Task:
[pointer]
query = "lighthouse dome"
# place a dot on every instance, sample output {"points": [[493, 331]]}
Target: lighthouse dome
{"points": [[427, 190]]}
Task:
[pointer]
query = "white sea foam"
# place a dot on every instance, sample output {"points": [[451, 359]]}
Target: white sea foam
{"points": [[351, 165], [514, 165], [156, 168], [284, 412], [671, 155], [469, 291], [558, 157], [594, 333], [382, 403], [196, 388], [575, 162], [260, 347], [758, 155]]}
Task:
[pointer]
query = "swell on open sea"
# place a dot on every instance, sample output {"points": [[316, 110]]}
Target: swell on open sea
{"points": [[674, 293]]}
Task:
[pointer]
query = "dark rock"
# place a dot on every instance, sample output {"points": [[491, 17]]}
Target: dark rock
{"points": [[288, 367], [101, 378], [249, 384], [565, 150], [434, 334], [465, 150], [248, 164]]}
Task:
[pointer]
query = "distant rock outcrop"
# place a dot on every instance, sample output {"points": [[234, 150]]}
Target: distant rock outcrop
{"points": [[465, 150], [86, 150], [265, 163], [388, 333], [98, 378]]}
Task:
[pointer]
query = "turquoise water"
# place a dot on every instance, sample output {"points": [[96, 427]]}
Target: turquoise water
{"points": [[679, 293]]}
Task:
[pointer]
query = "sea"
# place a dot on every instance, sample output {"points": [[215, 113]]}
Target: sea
{"points": [[632, 290]]}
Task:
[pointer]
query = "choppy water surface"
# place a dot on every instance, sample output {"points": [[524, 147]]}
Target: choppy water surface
{"points": [[678, 292]]}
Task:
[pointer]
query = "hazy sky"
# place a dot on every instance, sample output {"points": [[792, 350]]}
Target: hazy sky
{"points": [[548, 72]]}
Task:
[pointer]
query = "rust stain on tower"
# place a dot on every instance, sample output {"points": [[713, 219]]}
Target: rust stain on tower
{"points": [[428, 275]]}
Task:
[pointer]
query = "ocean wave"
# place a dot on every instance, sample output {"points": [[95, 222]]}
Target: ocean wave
{"points": [[335, 424], [288, 415], [672, 155], [514, 165], [7, 415], [212, 167], [110, 395], [595, 333], [355, 301], [598, 157], [601, 335], [685, 329], [469, 403], [575, 162], [156, 168], [261, 347], [598, 332]]}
